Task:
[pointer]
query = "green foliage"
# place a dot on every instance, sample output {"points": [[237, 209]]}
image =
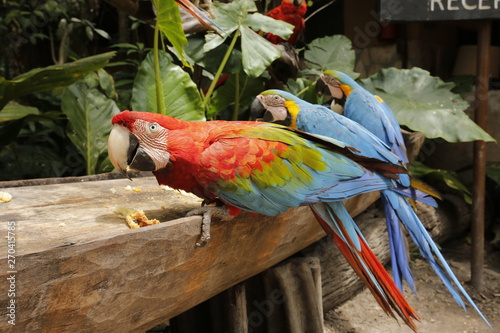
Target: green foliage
{"points": [[330, 52], [168, 21], [320, 55], [425, 103], [49, 78], [238, 92], [211, 60], [493, 172], [40, 150], [257, 52], [124, 71], [89, 109], [180, 95], [22, 20], [36, 135], [15, 111], [303, 88], [419, 170]]}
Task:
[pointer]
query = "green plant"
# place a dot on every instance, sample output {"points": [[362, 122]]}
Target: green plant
{"points": [[426, 104], [33, 144], [239, 48], [449, 178], [167, 79], [125, 69], [89, 105]]}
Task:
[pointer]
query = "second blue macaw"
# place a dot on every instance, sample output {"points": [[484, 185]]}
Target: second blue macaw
{"points": [[285, 108]]}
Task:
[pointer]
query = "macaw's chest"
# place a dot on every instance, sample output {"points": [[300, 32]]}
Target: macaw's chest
{"points": [[180, 176]]}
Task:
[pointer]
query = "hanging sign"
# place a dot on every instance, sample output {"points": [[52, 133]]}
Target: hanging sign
{"points": [[437, 10]]}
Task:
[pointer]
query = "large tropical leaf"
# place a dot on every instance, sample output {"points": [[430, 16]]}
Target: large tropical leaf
{"points": [[181, 97], [168, 20], [425, 103], [51, 77], [331, 53], [259, 22], [14, 111], [89, 112], [257, 52], [212, 59]]}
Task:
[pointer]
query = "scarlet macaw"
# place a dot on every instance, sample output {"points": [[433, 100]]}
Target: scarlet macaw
{"points": [[262, 168], [290, 110], [290, 11]]}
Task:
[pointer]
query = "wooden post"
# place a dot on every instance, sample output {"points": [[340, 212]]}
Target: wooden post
{"points": [[481, 117]]}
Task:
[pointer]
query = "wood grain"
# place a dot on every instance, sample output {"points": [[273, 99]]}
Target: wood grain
{"points": [[80, 268]]}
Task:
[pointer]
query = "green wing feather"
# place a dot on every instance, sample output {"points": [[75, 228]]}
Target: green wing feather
{"points": [[267, 168]]}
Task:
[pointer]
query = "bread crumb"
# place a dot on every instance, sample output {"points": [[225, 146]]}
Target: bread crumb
{"points": [[130, 188], [135, 218], [5, 197]]}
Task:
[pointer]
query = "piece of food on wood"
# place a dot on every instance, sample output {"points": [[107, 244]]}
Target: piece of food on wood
{"points": [[135, 218], [130, 188], [5, 197]]}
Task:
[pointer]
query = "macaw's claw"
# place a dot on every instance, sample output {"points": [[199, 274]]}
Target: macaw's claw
{"points": [[208, 212]]}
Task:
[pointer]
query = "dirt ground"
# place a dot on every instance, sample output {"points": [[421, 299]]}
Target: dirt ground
{"points": [[435, 306]]}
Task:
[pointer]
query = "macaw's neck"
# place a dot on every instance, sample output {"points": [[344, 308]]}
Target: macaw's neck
{"points": [[185, 147]]}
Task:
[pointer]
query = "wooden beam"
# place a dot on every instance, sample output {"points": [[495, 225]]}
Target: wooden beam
{"points": [[80, 268], [479, 157]]}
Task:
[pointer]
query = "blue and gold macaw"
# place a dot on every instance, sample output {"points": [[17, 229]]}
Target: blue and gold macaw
{"points": [[285, 108]]}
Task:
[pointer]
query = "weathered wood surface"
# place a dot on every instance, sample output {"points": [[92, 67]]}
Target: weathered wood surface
{"points": [[80, 268]]}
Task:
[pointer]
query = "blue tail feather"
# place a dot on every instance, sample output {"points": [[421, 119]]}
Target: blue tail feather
{"points": [[429, 249], [399, 250]]}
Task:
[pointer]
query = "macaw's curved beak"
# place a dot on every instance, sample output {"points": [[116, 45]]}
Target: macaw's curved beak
{"points": [[331, 86], [260, 113], [257, 110], [322, 87], [126, 153]]}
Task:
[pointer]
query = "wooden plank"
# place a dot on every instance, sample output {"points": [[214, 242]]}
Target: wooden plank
{"points": [[80, 268]]}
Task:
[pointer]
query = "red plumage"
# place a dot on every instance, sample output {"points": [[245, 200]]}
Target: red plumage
{"points": [[292, 14]]}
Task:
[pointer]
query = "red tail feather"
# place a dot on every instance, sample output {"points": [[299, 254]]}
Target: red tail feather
{"points": [[389, 298]]}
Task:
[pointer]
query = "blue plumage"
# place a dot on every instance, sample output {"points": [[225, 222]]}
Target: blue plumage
{"points": [[374, 114]]}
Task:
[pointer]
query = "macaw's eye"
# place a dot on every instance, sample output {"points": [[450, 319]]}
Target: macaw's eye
{"points": [[274, 100], [153, 127]]}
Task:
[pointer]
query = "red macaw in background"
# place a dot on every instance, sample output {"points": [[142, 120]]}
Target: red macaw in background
{"points": [[263, 168], [290, 11]]}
